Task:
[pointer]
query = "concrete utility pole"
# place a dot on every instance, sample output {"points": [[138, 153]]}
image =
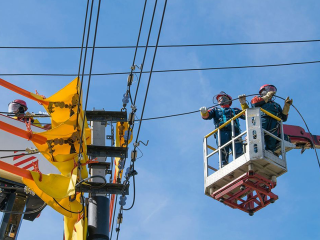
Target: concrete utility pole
{"points": [[98, 208]]}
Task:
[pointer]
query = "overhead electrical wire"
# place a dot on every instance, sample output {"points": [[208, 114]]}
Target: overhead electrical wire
{"points": [[168, 46], [90, 71], [85, 58], [305, 123], [17, 155], [151, 70], [136, 48], [161, 71], [145, 52], [145, 99], [83, 35]]}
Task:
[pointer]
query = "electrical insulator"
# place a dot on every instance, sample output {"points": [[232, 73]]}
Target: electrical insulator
{"points": [[122, 202], [131, 118], [125, 99], [130, 78], [134, 155], [119, 219], [121, 164]]}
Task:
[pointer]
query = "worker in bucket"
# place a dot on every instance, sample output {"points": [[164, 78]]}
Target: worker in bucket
{"points": [[266, 101], [220, 115]]}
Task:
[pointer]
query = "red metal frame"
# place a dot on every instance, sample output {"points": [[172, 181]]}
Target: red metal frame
{"points": [[249, 193]]}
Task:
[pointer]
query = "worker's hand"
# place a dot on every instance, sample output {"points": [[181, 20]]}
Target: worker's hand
{"points": [[268, 96], [288, 101], [287, 104], [242, 99], [203, 110]]}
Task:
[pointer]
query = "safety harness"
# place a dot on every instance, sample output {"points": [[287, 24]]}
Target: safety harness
{"points": [[224, 118]]}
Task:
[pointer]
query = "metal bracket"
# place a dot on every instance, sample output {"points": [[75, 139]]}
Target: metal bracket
{"points": [[108, 188], [100, 116], [106, 151]]}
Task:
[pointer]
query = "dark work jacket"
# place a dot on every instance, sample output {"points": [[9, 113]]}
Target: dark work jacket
{"points": [[267, 122], [270, 106]]}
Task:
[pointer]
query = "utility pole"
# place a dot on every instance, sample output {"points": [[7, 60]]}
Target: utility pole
{"points": [[98, 202]]}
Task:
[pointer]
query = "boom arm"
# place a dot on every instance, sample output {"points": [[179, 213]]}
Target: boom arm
{"points": [[301, 138]]}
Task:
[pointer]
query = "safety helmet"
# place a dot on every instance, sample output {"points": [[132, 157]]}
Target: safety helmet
{"points": [[17, 106], [267, 88], [224, 99]]}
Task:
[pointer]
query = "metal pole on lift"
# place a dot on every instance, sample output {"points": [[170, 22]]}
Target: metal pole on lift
{"points": [[98, 204]]}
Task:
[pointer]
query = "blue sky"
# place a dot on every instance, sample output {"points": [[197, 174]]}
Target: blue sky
{"points": [[170, 203]]}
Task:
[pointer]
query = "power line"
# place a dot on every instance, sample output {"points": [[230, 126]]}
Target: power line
{"points": [[145, 52], [90, 71], [135, 52], [168, 46], [151, 70], [161, 71]]}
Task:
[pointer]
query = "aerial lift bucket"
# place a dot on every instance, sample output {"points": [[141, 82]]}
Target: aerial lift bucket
{"points": [[246, 183]]}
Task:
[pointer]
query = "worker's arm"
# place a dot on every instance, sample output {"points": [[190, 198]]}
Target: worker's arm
{"points": [[207, 114]]}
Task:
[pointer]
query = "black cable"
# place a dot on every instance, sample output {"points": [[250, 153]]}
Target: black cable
{"points": [[140, 152], [84, 63], [28, 212], [88, 178], [90, 71], [135, 52], [13, 150], [136, 47], [23, 154], [95, 176], [171, 45], [134, 195], [68, 209], [114, 212], [145, 51], [83, 36], [313, 144], [160, 71], [153, 60], [186, 113]]}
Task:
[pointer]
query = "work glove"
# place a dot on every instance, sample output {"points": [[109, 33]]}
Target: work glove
{"points": [[203, 111], [243, 101], [287, 104], [268, 96]]}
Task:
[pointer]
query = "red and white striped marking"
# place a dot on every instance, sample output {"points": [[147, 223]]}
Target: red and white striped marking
{"points": [[24, 162]]}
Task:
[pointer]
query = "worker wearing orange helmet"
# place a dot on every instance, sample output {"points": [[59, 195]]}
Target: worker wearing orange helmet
{"points": [[220, 115], [265, 100]]}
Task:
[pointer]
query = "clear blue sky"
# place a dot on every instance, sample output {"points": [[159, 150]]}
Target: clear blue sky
{"points": [[170, 203]]}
